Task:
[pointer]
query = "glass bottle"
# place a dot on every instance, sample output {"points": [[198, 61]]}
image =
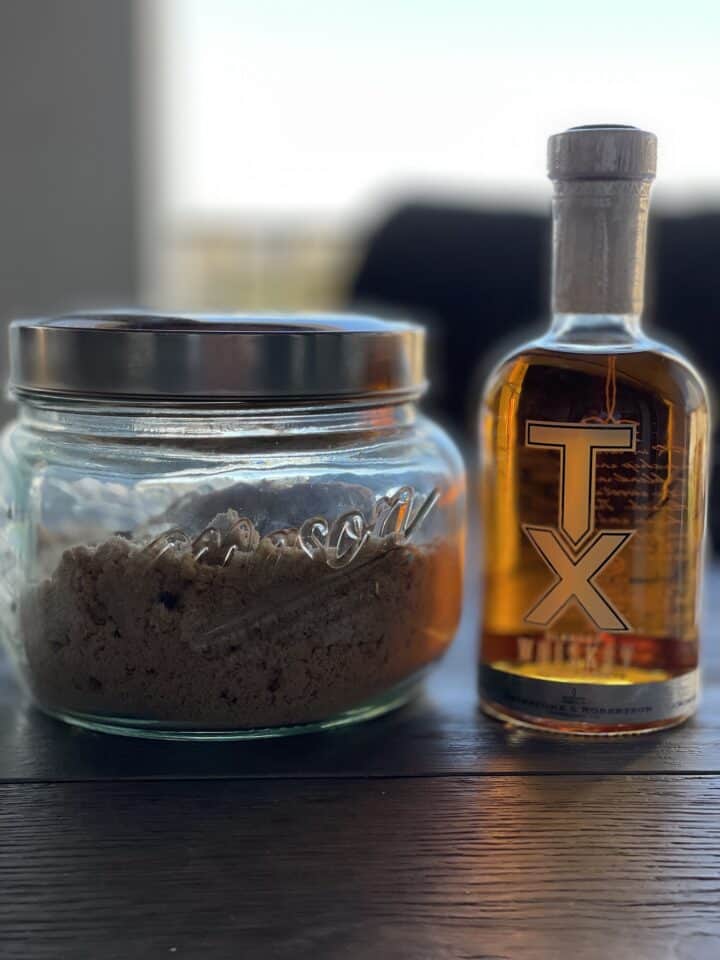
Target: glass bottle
{"points": [[594, 472]]}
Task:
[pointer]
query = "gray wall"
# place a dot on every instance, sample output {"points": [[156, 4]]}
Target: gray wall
{"points": [[68, 213]]}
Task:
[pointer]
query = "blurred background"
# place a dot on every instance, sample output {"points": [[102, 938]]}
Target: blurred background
{"points": [[237, 155]]}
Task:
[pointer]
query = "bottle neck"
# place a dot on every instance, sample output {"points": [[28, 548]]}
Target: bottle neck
{"points": [[599, 242], [595, 331]]}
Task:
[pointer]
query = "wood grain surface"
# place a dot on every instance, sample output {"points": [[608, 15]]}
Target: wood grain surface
{"points": [[434, 833], [512, 867]]}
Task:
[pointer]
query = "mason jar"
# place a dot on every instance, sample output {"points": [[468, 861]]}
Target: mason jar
{"points": [[223, 527]]}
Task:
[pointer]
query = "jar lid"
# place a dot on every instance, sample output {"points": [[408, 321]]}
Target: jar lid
{"points": [[129, 356]]}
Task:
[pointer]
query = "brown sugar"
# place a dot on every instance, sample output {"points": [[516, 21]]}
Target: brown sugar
{"points": [[241, 631]]}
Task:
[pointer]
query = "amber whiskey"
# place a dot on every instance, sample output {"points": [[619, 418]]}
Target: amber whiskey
{"points": [[594, 470]]}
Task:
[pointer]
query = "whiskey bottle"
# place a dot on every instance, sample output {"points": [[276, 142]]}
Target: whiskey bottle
{"points": [[594, 446]]}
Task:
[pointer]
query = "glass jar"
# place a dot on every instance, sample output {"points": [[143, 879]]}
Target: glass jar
{"points": [[225, 527]]}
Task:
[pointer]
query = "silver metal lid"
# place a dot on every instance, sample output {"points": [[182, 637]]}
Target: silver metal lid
{"points": [[126, 356], [602, 152]]}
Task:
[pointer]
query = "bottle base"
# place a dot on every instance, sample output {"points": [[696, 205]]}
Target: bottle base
{"points": [[575, 727], [594, 708]]}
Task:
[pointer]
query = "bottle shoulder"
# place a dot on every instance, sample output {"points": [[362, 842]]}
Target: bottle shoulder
{"points": [[648, 366]]}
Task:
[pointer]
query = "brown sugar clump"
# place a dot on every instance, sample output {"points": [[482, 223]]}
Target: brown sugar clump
{"points": [[253, 632]]}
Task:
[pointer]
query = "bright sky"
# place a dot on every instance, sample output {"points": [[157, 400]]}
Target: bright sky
{"points": [[329, 107]]}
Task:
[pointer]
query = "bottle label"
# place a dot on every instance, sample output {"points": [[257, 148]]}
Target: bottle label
{"points": [[574, 551], [596, 703]]}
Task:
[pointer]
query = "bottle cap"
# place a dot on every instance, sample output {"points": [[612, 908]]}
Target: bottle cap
{"points": [[602, 152]]}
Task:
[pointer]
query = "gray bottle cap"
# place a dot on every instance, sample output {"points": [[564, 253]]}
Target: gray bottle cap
{"points": [[602, 152]]}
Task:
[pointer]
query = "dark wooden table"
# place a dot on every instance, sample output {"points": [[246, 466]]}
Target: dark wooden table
{"points": [[433, 833]]}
